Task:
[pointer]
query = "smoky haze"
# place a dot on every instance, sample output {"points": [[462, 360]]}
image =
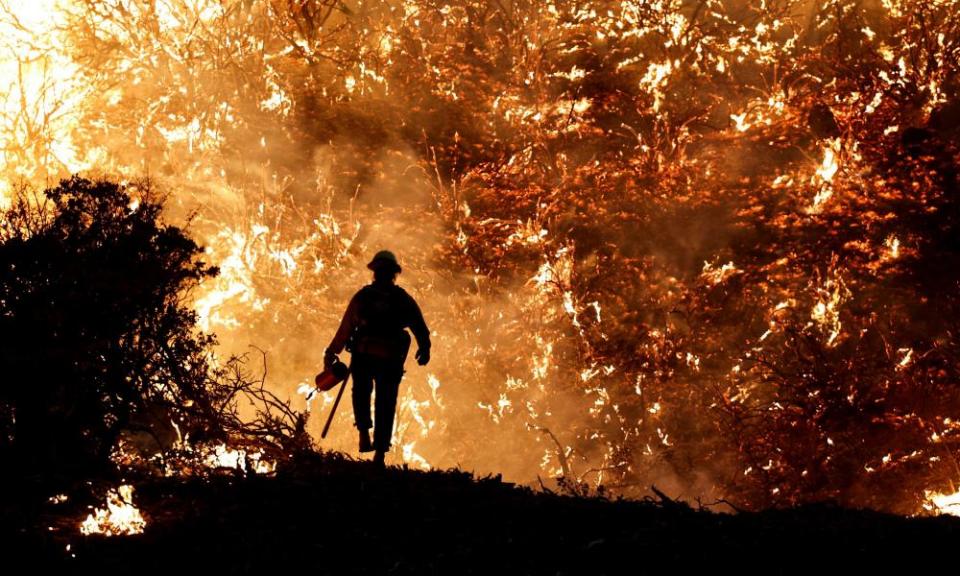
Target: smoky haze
{"points": [[652, 240]]}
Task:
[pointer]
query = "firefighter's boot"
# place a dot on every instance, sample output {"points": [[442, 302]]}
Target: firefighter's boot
{"points": [[365, 444]]}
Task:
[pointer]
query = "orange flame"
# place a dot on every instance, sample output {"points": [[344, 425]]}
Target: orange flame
{"points": [[119, 518]]}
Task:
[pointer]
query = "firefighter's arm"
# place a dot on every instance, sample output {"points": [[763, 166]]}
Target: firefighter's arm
{"points": [[347, 324], [420, 331]]}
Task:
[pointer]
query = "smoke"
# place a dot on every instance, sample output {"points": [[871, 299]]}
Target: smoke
{"points": [[293, 196], [616, 218], [289, 268]]}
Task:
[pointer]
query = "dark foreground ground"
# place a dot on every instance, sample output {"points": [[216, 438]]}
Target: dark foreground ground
{"points": [[328, 515]]}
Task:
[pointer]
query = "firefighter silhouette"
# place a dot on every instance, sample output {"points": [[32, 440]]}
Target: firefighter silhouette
{"points": [[374, 331]]}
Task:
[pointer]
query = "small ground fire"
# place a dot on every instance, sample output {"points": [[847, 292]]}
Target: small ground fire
{"points": [[119, 518]]}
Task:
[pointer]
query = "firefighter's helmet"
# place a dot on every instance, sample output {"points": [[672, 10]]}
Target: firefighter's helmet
{"points": [[384, 258]]}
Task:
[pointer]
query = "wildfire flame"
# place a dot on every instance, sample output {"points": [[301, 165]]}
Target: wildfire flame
{"points": [[824, 175], [222, 456], [943, 503], [119, 518], [687, 132]]}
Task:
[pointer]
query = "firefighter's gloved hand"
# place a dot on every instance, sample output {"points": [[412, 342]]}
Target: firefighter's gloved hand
{"points": [[329, 358], [423, 356]]}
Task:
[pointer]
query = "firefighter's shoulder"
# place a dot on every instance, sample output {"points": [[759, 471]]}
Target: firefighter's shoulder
{"points": [[361, 294], [411, 302], [400, 291]]}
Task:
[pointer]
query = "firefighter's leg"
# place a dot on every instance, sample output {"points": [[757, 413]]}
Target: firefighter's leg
{"points": [[362, 388], [388, 385]]}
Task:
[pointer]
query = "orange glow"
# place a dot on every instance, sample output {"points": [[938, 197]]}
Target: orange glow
{"points": [[943, 503], [119, 518], [742, 210]]}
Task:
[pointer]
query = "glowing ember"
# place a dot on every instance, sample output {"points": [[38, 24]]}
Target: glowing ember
{"points": [[119, 518], [222, 456], [823, 178], [717, 275], [907, 357], [826, 312], [943, 503], [893, 246]]}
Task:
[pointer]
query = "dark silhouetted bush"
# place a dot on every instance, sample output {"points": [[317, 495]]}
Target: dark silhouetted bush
{"points": [[95, 338]]}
